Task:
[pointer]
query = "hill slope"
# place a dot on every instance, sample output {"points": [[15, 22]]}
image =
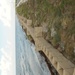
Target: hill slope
{"points": [[58, 18]]}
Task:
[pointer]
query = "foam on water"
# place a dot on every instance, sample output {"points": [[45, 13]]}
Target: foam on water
{"points": [[28, 61]]}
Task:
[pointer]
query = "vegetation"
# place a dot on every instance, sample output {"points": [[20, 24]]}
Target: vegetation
{"points": [[57, 14]]}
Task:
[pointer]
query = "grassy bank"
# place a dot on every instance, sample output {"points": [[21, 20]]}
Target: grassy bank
{"points": [[59, 17]]}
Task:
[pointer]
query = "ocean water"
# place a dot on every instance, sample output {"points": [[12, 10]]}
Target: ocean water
{"points": [[28, 61]]}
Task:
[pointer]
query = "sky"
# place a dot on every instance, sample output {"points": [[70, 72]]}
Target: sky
{"points": [[7, 37]]}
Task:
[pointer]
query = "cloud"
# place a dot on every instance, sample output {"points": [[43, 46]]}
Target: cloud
{"points": [[5, 53], [6, 22], [5, 13], [4, 66], [6, 61], [8, 42], [7, 50]]}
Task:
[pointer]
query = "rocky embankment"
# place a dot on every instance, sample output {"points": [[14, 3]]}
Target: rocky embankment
{"points": [[57, 17]]}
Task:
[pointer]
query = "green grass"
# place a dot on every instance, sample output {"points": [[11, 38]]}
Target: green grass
{"points": [[23, 10]]}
